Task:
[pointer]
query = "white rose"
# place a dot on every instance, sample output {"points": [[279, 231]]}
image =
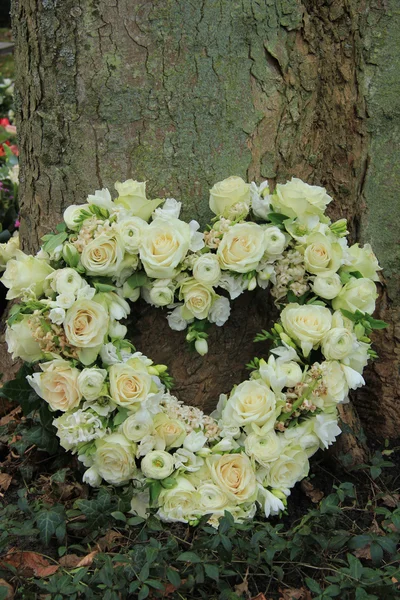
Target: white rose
{"points": [[358, 358], [72, 214], [86, 324], [219, 311], [58, 385], [20, 342], [195, 441], [357, 294], [25, 273], [275, 241], [157, 464], [251, 402], [297, 199], [242, 247], [225, 194], [206, 269], [290, 467], [187, 460], [306, 325], [103, 255], [234, 475], [8, 251], [364, 261], [197, 298], [161, 293], [176, 320], [211, 499], [170, 208], [327, 285], [132, 196], [114, 459], [278, 374], [233, 285], [128, 386], [334, 382], [165, 245], [65, 281], [138, 426], [91, 382], [321, 255], [131, 231], [304, 436], [170, 432], [179, 503], [338, 343], [264, 449]]}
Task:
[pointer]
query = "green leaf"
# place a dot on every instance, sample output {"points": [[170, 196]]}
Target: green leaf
{"points": [[190, 557], [144, 592], [349, 315], [376, 323], [18, 390], [277, 219], [376, 552], [155, 489], [56, 240], [47, 522], [137, 280], [119, 516], [355, 565], [104, 287], [313, 585], [212, 571], [120, 417], [173, 577], [135, 521]]}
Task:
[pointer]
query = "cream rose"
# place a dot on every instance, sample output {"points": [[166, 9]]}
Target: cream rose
{"points": [[242, 247], [327, 285], [25, 273], [103, 255], [65, 281], [20, 342], [161, 293], [321, 255], [8, 251], [157, 464], [335, 383], [264, 449], [165, 244], [181, 503], [251, 402], [357, 294], [72, 214], [86, 323], [90, 382], [130, 231], [227, 193], [297, 199], [290, 467], [58, 385], [338, 343], [275, 241], [128, 386], [212, 499], [197, 299], [306, 325], [114, 459], [138, 426], [234, 475], [132, 196], [364, 261], [206, 269], [170, 432]]}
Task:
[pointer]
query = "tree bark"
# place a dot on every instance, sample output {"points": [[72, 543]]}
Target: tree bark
{"points": [[185, 93]]}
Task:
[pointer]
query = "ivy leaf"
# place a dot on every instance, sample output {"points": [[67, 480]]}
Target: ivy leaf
{"points": [[18, 390], [48, 522]]}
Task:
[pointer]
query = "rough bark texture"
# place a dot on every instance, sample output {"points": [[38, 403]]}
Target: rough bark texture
{"points": [[184, 93]]}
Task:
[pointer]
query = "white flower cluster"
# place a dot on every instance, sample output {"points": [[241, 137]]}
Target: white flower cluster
{"points": [[110, 402]]}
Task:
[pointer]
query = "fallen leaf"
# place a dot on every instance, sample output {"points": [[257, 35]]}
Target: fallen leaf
{"points": [[29, 563], [70, 561], [10, 417], [110, 540], [87, 560], [10, 590], [311, 492], [5, 481], [259, 596], [391, 500], [243, 588], [295, 594], [364, 552]]}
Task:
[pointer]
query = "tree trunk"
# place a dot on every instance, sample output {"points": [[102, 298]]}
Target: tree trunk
{"points": [[183, 93]]}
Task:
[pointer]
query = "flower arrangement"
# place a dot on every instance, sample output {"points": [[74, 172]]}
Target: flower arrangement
{"points": [[113, 406]]}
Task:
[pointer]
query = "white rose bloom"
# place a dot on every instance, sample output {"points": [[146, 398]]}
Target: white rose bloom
{"points": [[170, 208], [58, 385], [271, 504], [327, 285], [157, 464], [334, 381], [212, 499], [170, 433], [114, 459], [57, 316], [357, 294], [278, 374], [321, 255], [251, 402], [25, 274], [161, 293], [176, 320], [90, 382], [297, 199], [358, 358], [195, 441], [187, 460], [65, 281], [165, 245], [72, 214], [219, 311], [290, 467], [302, 435], [235, 286], [20, 342], [8, 250], [78, 427], [206, 269], [275, 241], [306, 325], [260, 200], [225, 194], [92, 477], [338, 343], [364, 261], [326, 428], [138, 426], [179, 504], [128, 386], [234, 475], [86, 324], [264, 449], [131, 231], [132, 197], [103, 255], [242, 247], [197, 298]]}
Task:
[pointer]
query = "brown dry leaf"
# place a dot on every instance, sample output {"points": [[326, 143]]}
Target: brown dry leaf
{"points": [[364, 552], [110, 540], [243, 588], [69, 561], [87, 560], [30, 563], [5, 481], [259, 596], [314, 494], [8, 587], [295, 594], [391, 500], [10, 417]]}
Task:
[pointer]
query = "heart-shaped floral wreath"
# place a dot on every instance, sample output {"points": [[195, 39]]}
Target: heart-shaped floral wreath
{"points": [[112, 404]]}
